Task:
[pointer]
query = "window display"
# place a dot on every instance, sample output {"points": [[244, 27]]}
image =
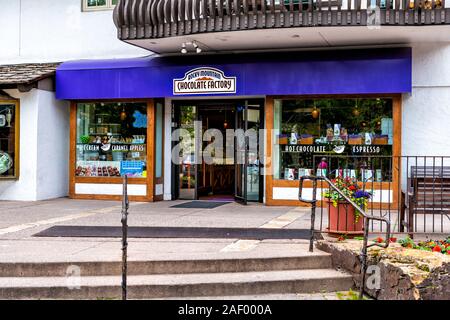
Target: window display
{"points": [[111, 140], [8, 140], [338, 137]]}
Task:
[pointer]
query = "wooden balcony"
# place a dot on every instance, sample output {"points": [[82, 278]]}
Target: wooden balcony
{"points": [[159, 19]]}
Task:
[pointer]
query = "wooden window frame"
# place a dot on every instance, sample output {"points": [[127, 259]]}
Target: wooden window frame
{"points": [[150, 141], [16, 159], [107, 6], [396, 146]]}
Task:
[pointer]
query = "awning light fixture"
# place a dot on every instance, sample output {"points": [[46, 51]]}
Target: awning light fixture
{"points": [[183, 48], [193, 44]]}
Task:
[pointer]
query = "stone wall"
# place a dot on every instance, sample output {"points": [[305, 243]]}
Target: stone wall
{"points": [[404, 274]]}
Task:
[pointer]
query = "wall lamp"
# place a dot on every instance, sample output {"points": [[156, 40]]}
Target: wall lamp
{"points": [[193, 44]]}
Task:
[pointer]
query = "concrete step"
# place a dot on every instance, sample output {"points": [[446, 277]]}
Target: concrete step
{"points": [[272, 296], [177, 285], [105, 268]]}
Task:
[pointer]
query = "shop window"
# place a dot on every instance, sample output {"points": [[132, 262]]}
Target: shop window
{"points": [[89, 5], [346, 137], [111, 140], [9, 140]]}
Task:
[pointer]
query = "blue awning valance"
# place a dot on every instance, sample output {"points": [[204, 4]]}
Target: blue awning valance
{"points": [[368, 71]]}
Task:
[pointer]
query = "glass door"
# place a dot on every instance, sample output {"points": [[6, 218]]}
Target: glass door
{"points": [[253, 167], [241, 154], [248, 186], [186, 146]]}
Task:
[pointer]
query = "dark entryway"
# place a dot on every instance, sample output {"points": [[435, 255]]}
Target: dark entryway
{"points": [[233, 175]]}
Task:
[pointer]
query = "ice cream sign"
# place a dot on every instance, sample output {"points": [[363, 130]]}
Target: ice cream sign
{"points": [[204, 81]]}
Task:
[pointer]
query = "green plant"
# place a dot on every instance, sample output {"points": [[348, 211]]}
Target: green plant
{"points": [[349, 295], [441, 246], [85, 139], [350, 188]]}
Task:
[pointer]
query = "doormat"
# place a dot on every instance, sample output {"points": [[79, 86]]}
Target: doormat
{"points": [[174, 232], [200, 204]]}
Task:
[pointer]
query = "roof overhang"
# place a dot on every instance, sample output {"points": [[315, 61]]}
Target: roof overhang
{"points": [[27, 76], [314, 38]]}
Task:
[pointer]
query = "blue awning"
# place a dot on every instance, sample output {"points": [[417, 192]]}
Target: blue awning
{"points": [[367, 71]]}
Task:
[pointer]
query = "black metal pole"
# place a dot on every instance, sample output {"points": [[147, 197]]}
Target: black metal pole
{"points": [[313, 215], [363, 257], [125, 205]]}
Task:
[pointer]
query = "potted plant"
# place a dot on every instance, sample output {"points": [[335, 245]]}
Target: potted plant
{"points": [[342, 216]]}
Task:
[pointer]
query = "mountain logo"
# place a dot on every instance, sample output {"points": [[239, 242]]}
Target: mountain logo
{"points": [[204, 81]]}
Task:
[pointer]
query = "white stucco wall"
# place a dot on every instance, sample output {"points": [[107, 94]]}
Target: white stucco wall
{"points": [[426, 111], [25, 187], [44, 148], [52, 147], [55, 30]]}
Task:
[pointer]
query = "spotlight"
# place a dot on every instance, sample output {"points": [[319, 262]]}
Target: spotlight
{"points": [[193, 44], [183, 48], [197, 49]]}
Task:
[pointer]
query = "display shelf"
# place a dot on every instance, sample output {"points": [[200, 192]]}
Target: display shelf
{"points": [[104, 134]]}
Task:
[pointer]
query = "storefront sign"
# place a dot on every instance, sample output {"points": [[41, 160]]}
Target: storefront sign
{"points": [[114, 147], [90, 147], [126, 148], [366, 149], [204, 81], [305, 148], [363, 149]]}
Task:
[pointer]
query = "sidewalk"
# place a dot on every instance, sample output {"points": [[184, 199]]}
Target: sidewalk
{"points": [[19, 221], [177, 267]]}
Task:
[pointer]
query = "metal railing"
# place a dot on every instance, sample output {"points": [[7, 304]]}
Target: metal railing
{"points": [[366, 217], [125, 206], [143, 19], [412, 192]]}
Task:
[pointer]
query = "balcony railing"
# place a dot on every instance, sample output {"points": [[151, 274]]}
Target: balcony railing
{"points": [[145, 19]]}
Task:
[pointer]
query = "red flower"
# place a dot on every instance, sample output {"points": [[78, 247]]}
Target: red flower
{"points": [[352, 188], [437, 249], [379, 240], [393, 240]]}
